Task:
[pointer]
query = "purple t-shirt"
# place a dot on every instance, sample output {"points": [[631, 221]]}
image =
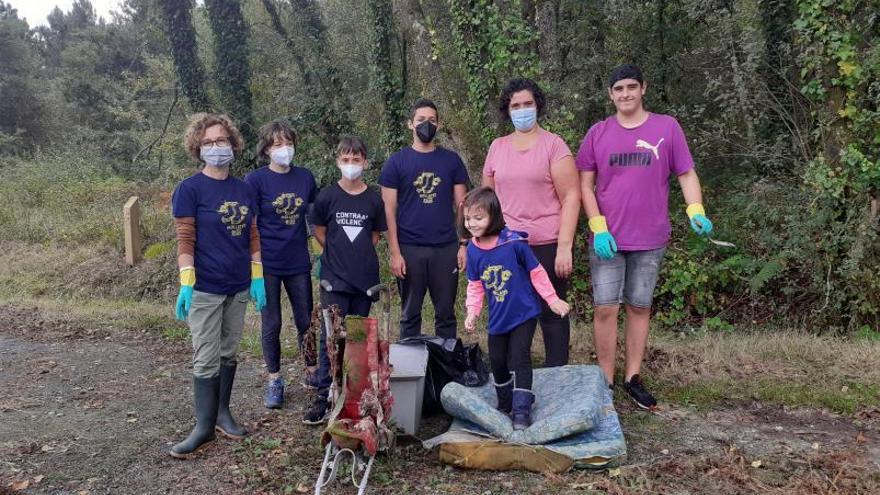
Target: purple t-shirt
{"points": [[632, 168]]}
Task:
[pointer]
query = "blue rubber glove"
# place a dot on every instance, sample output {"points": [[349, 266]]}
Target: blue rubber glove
{"points": [[258, 286], [603, 241], [185, 296], [699, 223], [604, 245]]}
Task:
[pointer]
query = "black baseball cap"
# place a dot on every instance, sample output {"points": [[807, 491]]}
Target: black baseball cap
{"points": [[626, 71]]}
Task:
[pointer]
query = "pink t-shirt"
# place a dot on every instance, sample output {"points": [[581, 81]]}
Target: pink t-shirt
{"points": [[633, 167], [524, 186]]}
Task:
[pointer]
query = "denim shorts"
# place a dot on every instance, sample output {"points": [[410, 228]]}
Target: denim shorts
{"points": [[629, 277]]}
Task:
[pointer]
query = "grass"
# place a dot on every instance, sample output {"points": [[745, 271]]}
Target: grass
{"points": [[711, 394]]}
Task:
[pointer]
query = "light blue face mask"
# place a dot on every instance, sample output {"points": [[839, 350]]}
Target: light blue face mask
{"points": [[217, 156], [351, 172], [282, 156], [524, 118]]}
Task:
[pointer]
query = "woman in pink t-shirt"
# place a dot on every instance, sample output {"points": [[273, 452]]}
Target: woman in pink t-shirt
{"points": [[533, 174]]}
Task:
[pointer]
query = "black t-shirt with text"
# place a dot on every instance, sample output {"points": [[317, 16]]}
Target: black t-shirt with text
{"points": [[349, 261]]}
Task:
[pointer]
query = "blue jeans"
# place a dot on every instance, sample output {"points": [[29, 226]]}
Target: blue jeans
{"points": [[299, 292], [349, 304]]}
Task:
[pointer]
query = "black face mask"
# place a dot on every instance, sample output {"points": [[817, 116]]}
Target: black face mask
{"points": [[426, 131]]}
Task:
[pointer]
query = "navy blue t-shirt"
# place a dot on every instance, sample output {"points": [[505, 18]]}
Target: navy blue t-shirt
{"points": [[349, 261], [424, 183], [504, 272], [224, 211], [283, 200]]}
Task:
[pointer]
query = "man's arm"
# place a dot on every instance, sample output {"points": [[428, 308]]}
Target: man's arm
{"points": [[458, 193], [397, 264], [588, 193], [690, 187]]}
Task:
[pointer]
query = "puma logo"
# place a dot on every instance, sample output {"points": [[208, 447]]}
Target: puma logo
{"points": [[648, 146]]}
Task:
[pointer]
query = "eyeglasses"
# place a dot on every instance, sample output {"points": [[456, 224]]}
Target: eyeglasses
{"points": [[220, 141]]}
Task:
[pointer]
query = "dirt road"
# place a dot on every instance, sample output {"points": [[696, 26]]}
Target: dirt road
{"points": [[94, 410]]}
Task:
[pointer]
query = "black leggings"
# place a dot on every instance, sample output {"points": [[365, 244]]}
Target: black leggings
{"points": [[512, 352], [556, 329]]}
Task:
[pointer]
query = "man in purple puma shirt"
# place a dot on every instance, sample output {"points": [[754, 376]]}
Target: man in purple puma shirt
{"points": [[625, 162]]}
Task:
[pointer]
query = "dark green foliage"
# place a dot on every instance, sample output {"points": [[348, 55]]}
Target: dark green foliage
{"points": [[182, 38], [23, 111], [779, 100], [384, 74], [232, 71], [327, 110]]}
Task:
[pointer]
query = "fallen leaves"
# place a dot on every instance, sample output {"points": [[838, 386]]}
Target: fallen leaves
{"points": [[18, 486]]}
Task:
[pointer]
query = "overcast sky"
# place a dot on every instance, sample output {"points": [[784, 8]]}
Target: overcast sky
{"points": [[35, 11]]}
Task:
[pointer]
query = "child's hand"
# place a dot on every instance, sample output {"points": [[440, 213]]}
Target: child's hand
{"points": [[560, 307], [470, 323]]}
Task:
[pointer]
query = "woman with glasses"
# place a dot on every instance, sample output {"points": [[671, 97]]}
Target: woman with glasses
{"points": [[218, 254]]}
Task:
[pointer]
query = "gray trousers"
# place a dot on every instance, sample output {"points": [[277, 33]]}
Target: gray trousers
{"points": [[433, 270], [215, 322]]}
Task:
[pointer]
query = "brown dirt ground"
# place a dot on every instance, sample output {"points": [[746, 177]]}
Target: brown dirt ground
{"points": [[94, 410]]}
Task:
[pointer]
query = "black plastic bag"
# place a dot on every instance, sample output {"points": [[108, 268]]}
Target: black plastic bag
{"points": [[449, 360]]}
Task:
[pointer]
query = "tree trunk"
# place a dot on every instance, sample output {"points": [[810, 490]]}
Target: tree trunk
{"points": [[384, 78], [233, 72], [182, 37]]}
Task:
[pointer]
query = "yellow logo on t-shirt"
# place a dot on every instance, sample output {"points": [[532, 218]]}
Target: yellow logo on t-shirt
{"points": [[287, 207], [426, 185], [233, 216], [495, 277]]}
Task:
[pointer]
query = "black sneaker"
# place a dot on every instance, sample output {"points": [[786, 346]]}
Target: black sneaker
{"points": [[638, 394], [317, 413]]}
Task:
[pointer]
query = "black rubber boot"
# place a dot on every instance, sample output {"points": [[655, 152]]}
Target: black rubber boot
{"points": [[504, 393], [226, 424], [205, 394]]}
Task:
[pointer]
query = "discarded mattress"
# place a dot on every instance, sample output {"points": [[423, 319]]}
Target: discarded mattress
{"points": [[573, 424]]}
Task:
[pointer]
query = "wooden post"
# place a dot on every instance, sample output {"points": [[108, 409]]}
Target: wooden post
{"points": [[132, 213]]}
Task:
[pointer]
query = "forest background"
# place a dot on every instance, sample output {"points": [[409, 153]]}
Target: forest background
{"points": [[780, 101]]}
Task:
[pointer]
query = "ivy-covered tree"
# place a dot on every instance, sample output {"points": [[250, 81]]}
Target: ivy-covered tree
{"points": [[384, 76], [232, 71], [184, 51], [840, 62]]}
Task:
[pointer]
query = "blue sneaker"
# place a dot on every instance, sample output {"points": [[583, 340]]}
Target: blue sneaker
{"points": [[274, 397]]}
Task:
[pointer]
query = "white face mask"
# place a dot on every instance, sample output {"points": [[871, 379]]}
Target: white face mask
{"points": [[217, 156], [351, 172], [282, 155]]}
